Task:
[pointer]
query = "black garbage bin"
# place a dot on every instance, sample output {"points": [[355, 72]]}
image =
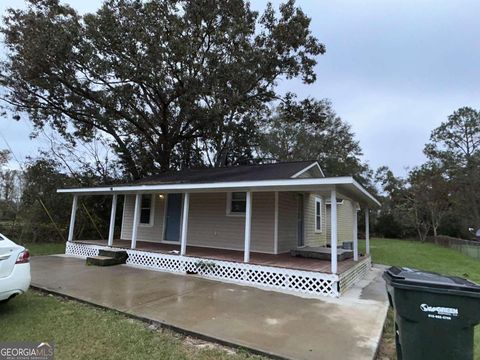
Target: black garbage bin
{"points": [[435, 314]]}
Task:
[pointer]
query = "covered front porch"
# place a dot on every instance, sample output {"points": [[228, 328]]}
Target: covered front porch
{"points": [[276, 272], [274, 213], [284, 260]]}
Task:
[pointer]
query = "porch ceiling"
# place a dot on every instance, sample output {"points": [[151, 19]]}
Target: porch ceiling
{"points": [[345, 185]]}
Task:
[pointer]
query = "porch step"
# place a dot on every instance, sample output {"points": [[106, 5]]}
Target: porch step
{"points": [[103, 261], [120, 255]]}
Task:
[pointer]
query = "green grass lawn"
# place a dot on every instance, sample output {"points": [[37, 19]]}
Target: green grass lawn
{"points": [[45, 249], [84, 332], [423, 256], [81, 331]]}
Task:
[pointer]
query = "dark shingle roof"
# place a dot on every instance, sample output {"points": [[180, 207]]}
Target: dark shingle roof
{"points": [[277, 171]]}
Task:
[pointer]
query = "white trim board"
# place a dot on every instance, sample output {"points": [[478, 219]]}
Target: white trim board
{"points": [[296, 175], [306, 184]]}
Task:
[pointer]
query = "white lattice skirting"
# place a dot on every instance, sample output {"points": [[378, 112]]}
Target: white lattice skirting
{"points": [[305, 282]]}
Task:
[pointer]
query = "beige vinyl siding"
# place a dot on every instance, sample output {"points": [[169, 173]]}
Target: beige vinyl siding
{"points": [[145, 233], [345, 222], [313, 238], [287, 221], [210, 226]]}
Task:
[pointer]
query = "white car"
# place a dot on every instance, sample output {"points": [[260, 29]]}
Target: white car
{"points": [[14, 269]]}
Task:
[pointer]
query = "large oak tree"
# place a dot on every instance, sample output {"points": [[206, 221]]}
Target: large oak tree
{"points": [[167, 82]]}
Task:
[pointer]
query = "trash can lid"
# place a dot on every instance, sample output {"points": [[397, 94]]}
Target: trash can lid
{"points": [[401, 275]]}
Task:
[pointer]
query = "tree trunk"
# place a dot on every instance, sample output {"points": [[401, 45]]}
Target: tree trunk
{"points": [[165, 158]]}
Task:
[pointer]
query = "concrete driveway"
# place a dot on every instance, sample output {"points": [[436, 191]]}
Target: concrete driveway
{"points": [[269, 322]]}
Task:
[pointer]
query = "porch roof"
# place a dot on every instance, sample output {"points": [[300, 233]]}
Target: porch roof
{"points": [[346, 185]]}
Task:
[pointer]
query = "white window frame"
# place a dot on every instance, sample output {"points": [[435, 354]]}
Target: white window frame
{"points": [[229, 204], [152, 211], [318, 200], [339, 202]]}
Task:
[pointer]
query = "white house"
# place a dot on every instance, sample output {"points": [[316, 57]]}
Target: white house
{"points": [[240, 224]]}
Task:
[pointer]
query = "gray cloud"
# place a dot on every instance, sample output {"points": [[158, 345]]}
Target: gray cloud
{"points": [[393, 69]]}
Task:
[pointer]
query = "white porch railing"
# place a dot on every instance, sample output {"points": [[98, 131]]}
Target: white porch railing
{"points": [[296, 281]]}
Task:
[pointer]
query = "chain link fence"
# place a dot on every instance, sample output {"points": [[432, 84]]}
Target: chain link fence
{"points": [[466, 247]]}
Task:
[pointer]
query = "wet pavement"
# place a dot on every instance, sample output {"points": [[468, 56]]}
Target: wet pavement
{"points": [[269, 322]]}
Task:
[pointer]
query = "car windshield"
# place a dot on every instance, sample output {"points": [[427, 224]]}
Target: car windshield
{"points": [[3, 237]]}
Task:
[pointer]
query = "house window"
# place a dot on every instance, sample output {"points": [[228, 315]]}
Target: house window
{"points": [[146, 210], [237, 203], [318, 214]]}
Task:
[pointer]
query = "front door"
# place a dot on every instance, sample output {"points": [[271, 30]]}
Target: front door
{"points": [[172, 218], [300, 240]]}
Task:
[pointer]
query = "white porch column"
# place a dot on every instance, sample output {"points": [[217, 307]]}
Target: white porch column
{"points": [[248, 226], [111, 231], [72, 217], [275, 229], [186, 203], [333, 240], [355, 232], [367, 231], [136, 220]]}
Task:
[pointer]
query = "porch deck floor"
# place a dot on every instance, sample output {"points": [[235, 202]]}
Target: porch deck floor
{"points": [[284, 260]]}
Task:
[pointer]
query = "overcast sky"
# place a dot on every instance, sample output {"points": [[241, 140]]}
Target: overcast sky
{"points": [[393, 69]]}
